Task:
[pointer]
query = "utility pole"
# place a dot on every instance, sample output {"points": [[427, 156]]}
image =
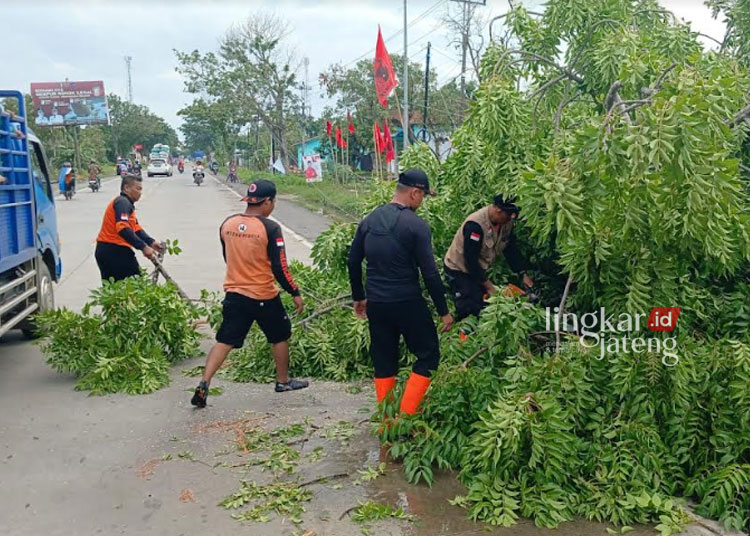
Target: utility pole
{"points": [[464, 46], [426, 93], [128, 59], [76, 151], [406, 86], [466, 16], [306, 112]]}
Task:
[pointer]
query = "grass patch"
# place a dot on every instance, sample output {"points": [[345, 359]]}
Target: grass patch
{"points": [[341, 201]]}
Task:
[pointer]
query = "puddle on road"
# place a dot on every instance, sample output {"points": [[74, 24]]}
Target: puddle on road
{"points": [[439, 518]]}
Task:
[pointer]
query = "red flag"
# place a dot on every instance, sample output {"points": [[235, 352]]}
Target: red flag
{"points": [[376, 136], [381, 139], [351, 124], [382, 68], [388, 142], [339, 139], [329, 127]]}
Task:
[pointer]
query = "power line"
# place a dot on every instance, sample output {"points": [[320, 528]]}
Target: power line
{"points": [[424, 14]]}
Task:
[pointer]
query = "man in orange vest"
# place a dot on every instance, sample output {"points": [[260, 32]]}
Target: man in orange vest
{"points": [[482, 237], [255, 254], [121, 232]]}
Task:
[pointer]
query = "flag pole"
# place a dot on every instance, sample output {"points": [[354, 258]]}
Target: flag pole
{"points": [[377, 161], [333, 154]]}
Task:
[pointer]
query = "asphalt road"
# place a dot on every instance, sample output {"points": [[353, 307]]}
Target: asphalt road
{"points": [[72, 464]]}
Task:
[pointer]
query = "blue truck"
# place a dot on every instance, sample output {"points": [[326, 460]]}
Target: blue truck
{"points": [[29, 242]]}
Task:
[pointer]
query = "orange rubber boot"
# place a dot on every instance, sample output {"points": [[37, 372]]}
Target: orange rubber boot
{"points": [[383, 386], [416, 387]]}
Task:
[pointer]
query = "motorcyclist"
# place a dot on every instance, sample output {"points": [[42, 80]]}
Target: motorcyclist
{"points": [[94, 171], [122, 167], [214, 166], [180, 165], [70, 181], [233, 172], [137, 168]]}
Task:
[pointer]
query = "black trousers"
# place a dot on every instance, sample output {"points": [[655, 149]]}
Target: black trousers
{"points": [[116, 262], [467, 294], [388, 322]]}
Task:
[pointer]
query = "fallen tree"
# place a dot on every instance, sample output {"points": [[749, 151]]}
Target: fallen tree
{"points": [[624, 141]]}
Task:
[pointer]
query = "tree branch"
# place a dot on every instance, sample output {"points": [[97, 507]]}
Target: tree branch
{"points": [[561, 106], [504, 15], [560, 311], [570, 74], [476, 354], [739, 116], [322, 311]]}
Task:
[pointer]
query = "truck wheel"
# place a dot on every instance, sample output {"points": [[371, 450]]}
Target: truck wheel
{"points": [[45, 298]]}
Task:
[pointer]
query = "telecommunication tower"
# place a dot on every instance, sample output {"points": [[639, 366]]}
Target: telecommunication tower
{"points": [[128, 59]]}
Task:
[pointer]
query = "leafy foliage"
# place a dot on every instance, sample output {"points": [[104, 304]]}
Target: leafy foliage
{"points": [[101, 349], [623, 141]]}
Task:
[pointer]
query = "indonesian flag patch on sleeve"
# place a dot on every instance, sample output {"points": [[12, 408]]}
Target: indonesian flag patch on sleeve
{"points": [[474, 237], [124, 217], [280, 242]]}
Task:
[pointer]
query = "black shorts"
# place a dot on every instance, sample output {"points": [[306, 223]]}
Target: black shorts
{"points": [[240, 312], [467, 294], [116, 262]]}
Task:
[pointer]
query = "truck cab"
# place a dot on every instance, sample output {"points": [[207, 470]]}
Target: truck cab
{"points": [[29, 240]]}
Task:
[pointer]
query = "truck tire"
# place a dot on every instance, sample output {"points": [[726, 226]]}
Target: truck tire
{"points": [[45, 298]]}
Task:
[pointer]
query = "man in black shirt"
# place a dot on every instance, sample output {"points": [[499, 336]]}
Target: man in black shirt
{"points": [[483, 236], [397, 245]]}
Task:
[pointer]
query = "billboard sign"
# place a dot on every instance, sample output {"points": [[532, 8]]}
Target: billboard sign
{"points": [[69, 103]]}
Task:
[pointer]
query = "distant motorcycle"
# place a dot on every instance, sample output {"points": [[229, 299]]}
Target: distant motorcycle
{"points": [[214, 168], [181, 167], [198, 176], [70, 188], [233, 177], [94, 183]]}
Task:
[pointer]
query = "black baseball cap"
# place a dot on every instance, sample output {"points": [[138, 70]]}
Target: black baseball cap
{"points": [[508, 204], [416, 178], [259, 191]]}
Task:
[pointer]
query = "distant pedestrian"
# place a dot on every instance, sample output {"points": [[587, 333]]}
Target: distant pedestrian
{"points": [[255, 254], [121, 232], [397, 246]]}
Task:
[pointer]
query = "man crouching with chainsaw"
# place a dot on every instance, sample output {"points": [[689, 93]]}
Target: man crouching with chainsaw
{"points": [[483, 236]]}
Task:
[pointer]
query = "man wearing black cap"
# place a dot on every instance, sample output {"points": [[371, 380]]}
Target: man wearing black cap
{"points": [[398, 245], [254, 251], [483, 236]]}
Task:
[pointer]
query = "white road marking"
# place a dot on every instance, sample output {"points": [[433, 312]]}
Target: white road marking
{"points": [[284, 228]]}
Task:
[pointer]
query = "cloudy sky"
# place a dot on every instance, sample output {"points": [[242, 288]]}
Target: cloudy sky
{"points": [[88, 39]]}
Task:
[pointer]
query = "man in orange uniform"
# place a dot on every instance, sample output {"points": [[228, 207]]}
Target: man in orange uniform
{"points": [[254, 251], [121, 232]]}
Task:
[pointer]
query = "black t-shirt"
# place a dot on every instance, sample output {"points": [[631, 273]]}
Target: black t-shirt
{"points": [[397, 245]]}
